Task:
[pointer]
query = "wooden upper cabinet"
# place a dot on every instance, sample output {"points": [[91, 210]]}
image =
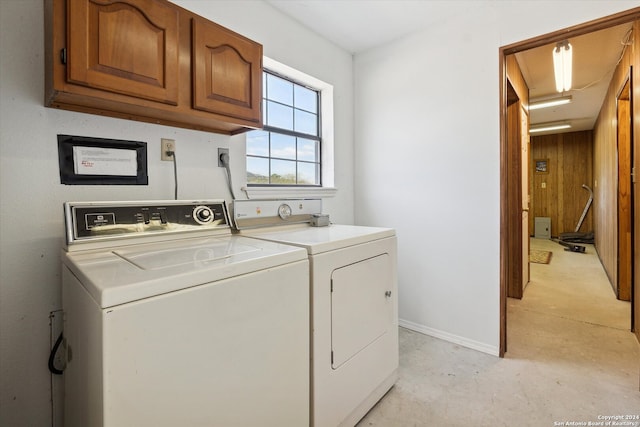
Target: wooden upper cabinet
{"points": [[227, 72], [124, 46], [152, 61]]}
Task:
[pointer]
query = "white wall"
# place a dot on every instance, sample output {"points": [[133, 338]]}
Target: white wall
{"points": [[426, 161], [31, 196], [427, 158]]}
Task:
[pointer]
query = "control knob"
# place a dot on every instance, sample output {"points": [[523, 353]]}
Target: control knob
{"points": [[284, 211], [203, 215]]}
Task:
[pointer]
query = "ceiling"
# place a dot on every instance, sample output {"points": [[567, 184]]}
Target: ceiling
{"points": [[595, 56], [359, 25]]}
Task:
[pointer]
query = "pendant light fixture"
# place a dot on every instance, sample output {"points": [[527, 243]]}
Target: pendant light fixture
{"points": [[562, 58]]}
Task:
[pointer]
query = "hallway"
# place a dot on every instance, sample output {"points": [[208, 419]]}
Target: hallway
{"points": [[570, 358]]}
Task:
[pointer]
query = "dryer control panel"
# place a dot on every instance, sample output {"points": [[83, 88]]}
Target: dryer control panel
{"points": [[267, 213], [95, 221]]}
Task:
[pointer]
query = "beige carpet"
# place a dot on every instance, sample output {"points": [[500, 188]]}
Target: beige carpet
{"points": [[540, 257]]}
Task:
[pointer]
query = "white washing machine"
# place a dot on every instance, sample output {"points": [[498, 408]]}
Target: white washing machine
{"points": [[353, 279], [172, 321]]}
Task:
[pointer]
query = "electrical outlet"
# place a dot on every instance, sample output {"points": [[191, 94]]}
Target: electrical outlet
{"points": [[167, 145], [222, 151]]}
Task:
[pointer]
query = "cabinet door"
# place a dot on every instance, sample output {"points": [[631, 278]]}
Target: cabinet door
{"points": [[227, 72], [125, 46]]}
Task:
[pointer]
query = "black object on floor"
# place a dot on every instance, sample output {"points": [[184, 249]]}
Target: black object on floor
{"points": [[572, 247], [577, 237]]}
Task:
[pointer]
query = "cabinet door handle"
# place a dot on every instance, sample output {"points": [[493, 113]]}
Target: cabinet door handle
{"points": [[387, 294]]}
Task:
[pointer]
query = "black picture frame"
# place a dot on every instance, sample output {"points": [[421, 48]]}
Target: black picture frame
{"points": [[66, 143], [541, 166]]}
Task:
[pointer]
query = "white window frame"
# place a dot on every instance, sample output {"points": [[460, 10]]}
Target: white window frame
{"points": [[238, 149]]}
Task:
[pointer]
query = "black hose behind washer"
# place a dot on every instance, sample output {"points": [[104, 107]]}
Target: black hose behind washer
{"points": [[52, 356]]}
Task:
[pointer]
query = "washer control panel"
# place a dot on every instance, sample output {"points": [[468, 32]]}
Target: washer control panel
{"points": [[89, 220]]}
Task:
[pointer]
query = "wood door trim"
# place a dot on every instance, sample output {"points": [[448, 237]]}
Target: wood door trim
{"points": [[574, 31], [506, 205], [625, 222]]}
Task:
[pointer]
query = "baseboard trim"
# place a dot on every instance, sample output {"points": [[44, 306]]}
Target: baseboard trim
{"points": [[446, 336]]}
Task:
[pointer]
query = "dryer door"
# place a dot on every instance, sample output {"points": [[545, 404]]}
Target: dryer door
{"points": [[361, 306]]}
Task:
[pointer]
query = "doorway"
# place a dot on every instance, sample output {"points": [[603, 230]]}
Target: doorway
{"points": [[509, 204]]}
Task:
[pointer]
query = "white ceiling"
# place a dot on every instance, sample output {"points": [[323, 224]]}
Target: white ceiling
{"points": [[360, 25]]}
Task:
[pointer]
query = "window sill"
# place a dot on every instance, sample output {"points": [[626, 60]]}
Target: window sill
{"points": [[288, 192]]}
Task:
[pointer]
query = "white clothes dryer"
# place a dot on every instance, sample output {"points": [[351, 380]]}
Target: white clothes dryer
{"points": [[354, 323], [172, 321]]}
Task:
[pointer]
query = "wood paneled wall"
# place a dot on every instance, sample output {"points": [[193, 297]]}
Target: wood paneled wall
{"points": [[514, 75], [605, 169], [558, 193]]}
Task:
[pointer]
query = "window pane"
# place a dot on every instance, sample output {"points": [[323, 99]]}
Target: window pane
{"points": [[283, 146], [308, 173], [306, 99], [257, 170], [258, 143], [283, 172], [290, 156], [279, 90], [308, 150], [306, 122], [279, 116]]}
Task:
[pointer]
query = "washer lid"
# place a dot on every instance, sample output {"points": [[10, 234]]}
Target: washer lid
{"points": [[322, 239], [131, 273], [200, 254]]}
